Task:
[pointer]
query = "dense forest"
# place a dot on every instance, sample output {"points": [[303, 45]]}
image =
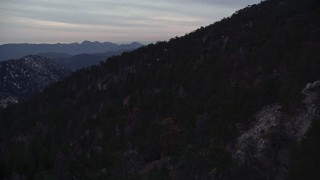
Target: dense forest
{"points": [[239, 99]]}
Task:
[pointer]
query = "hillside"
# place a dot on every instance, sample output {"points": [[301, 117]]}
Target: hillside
{"points": [[239, 99], [19, 79], [14, 51]]}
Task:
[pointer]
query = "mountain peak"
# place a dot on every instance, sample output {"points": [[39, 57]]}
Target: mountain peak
{"points": [[87, 42]]}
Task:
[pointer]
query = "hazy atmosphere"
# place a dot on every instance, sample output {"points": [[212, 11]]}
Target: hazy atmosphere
{"points": [[46, 21]]}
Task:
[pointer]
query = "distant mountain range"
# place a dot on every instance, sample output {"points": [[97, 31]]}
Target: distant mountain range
{"points": [[14, 51], [24, 77], [75, 62]]}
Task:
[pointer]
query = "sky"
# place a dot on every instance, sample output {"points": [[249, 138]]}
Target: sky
{"points": [[119, 21]]}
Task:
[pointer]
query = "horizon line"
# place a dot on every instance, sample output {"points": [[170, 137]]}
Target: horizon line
{"points": [[81, 42]]}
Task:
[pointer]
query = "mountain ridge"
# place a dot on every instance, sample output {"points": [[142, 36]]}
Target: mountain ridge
{"points": [[83, 60], [14, 51]]}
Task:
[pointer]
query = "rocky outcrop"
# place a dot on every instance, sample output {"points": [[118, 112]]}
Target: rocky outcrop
{"points": [[266, 145], [6, 100]]}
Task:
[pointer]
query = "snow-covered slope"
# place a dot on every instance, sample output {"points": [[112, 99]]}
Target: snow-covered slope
{"points": [[24, 77]]}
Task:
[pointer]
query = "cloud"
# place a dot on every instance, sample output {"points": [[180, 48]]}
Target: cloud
{"points": [[108, 20]]}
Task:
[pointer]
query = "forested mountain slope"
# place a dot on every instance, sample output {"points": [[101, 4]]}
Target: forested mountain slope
{"points": [[22, 78], [234, 100]]}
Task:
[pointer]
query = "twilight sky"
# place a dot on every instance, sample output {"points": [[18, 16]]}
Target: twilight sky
{"points": [[65, 21]]}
